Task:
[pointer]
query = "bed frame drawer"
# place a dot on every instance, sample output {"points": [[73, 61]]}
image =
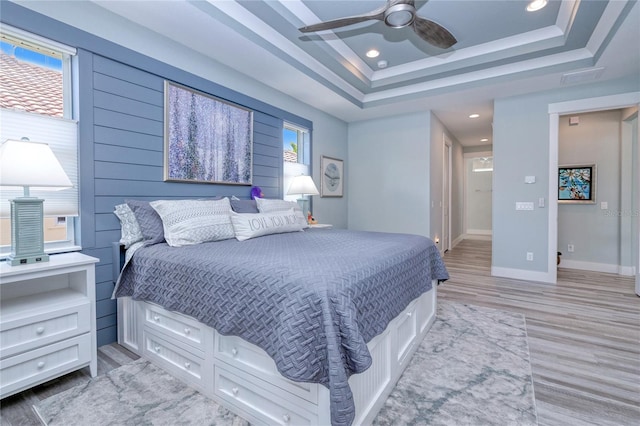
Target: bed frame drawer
{"points": [[406, 326], [194, 370], [250, 358], [247, 393], [183, 329]]}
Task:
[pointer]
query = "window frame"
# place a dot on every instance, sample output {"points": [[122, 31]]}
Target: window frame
{"points": [[67, 55]]}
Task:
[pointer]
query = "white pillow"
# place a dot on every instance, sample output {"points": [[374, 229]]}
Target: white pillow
{"points": [[267, 206], [251, 225], [130, 230], [187, 222]]}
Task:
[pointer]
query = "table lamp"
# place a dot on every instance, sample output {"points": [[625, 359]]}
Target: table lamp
{"points": [[29, 164], [302, 185]]}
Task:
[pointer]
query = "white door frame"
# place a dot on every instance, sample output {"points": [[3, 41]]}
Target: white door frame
{"points": [[555, 110], [447, 147]]}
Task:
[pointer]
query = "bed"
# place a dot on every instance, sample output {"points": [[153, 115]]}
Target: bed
{"points": [[310, 327]]}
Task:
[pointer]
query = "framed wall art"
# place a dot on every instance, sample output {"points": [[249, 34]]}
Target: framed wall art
{"points": [[577, 184], [206, 139], [332, 179]]}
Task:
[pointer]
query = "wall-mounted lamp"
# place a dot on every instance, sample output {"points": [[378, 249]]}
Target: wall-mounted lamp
{"points": [[29, 164]]}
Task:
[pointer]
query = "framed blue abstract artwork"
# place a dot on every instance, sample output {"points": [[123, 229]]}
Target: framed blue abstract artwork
{"points": [[206, 139], [577, 184]]}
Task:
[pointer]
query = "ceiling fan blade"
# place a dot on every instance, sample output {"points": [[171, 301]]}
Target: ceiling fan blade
{"points": [[377, 14], [433, 33]]}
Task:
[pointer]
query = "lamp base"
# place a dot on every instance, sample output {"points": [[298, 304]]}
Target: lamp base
{"points": [[27, 235], [25, 260]]}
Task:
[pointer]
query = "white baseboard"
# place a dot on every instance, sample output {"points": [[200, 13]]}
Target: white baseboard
{"points": [[522, 274], [457, 241], [477, 237], [479, 231], [598, 267]]}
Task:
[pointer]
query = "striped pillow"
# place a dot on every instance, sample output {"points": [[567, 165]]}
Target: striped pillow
{"points": [[187, 222]]}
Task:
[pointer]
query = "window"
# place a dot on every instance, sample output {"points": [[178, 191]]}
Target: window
{"points": [[296, 155], [36, 103]]}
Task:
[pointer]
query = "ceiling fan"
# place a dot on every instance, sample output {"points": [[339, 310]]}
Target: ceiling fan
{"points": [[395, 14]]}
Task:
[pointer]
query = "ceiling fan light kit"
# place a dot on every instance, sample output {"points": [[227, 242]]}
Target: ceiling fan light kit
{"points": [[400, 15]]}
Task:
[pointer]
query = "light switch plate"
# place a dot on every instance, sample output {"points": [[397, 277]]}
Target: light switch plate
{"points": [[524, 205], [604, 205]]}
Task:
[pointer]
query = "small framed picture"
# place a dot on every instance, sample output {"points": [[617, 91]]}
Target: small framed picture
{"points": [[577, 184], [332, 179]]}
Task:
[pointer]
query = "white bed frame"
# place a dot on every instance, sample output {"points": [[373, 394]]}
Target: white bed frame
{"points": [[243, 378]]}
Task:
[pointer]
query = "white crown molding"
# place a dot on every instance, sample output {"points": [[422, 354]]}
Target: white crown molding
{"points": [[476, 76], [252, 23], [605, 24]]}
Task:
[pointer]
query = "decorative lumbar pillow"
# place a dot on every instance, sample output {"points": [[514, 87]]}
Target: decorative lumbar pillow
{"points": [[251, 225], [149, 221], [188, 222], [130, 230], [267, 206]]}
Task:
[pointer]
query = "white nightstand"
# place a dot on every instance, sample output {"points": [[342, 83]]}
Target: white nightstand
{"points": [[321, 226], [47, 320]]}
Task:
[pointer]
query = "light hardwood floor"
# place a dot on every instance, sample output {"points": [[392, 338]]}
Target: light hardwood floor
{"points": [[584, 339], [584, 335]]}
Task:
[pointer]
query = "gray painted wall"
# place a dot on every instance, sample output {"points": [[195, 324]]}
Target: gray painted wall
{"points": [[521, 148], [594, 232], [388, 174], [395, 172], [121, 132]]}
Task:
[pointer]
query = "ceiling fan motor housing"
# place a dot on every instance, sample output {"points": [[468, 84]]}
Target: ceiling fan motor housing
{"points": [[400, 15]]}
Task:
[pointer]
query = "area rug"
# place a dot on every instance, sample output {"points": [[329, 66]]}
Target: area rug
{"points": [[472, 369]]}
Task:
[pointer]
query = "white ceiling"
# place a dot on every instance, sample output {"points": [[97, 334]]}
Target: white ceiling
{"points": [[502, 50]]}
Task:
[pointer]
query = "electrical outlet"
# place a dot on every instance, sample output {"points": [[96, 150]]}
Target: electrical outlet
{"points": [[530, 256], [570, 248]]}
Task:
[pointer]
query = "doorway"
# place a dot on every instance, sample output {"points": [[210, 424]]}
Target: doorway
{"points": [[574, 107]]}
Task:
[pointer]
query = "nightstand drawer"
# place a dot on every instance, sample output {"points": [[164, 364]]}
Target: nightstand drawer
{"points": [[30, 368], [30, 332]]}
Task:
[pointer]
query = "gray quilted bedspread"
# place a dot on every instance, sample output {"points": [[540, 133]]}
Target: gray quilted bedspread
{"points": [[312, 300]]}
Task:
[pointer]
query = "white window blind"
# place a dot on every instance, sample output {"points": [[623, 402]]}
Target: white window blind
{"points": [[62, 137]]}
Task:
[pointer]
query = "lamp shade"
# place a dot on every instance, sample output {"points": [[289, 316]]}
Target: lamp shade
{"points": [[302, 185], [25, 163]]}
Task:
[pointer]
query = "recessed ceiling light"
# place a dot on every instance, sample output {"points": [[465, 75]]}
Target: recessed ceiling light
{"points": [[474, 116], [382, 63], [536, 5], [373, 53], [484, 140]]}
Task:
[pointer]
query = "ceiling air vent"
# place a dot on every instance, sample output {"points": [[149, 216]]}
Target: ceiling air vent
{"points": [[581, 76]]}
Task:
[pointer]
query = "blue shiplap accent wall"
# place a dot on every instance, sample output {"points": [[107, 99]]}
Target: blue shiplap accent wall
{"points": [[120, 111]]}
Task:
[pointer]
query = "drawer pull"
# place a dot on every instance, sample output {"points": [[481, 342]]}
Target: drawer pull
{"points": [[286, 418], [40, 365], [187, 330], [39, 330], [156, 318], [157, 348], [234, 352], [187, 365], [235, 391]]}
